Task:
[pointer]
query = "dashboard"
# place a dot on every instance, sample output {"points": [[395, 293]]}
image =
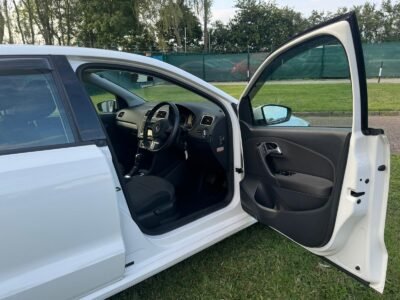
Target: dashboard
{"points": [[205, 125], [199, 119]]}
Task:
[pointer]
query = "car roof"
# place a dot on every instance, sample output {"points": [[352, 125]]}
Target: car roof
{"points": [[71, 51]]}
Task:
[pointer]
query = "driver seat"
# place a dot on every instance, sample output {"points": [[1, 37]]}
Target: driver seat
{"points": [[152, 199]]}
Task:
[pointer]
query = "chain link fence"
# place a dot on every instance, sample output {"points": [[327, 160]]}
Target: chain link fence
{"points": [[326, 62]]}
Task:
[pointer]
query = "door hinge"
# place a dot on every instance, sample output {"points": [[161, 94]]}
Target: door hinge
{"points": [[239, 170]]}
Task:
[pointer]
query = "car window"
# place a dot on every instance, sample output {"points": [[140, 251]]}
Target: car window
{"points": [[106, 84], [99, 95], [31, 112], [308, 85]]}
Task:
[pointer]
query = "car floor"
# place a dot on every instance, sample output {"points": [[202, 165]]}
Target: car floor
{"points": [[200, 188]]}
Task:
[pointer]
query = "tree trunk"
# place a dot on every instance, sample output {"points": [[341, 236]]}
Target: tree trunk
{"points": [[205, 26], [43, 22], [2, 24], [60, 13], [28, 5], [178, 38], [21, 31], [68, 21], [8, 22]]}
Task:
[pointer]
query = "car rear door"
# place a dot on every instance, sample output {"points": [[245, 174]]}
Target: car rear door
{"points": [[60, 229], [314, 170]]}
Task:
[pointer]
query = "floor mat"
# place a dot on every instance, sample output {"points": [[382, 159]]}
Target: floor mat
{"points": [[200, 190]]}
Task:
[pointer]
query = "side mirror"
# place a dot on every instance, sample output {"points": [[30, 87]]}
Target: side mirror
{"points": [[276, 114], [107, 106]]}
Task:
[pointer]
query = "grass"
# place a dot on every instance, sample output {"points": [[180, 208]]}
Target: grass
{"points": [[323, 97], [300, 97], [258, 263]]}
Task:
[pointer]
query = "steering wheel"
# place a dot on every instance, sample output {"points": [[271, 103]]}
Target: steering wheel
{"points": [[164, 131]]}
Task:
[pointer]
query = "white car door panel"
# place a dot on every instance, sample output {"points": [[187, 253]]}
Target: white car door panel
{"points": [[60, 227], [64, 236], [326, 188]]}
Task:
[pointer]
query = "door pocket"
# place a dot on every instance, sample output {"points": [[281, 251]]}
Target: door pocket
{"points": [[303, 183]]}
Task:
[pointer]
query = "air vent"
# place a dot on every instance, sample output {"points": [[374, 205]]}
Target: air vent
{"points": [[161, 114], [121, 114], [207, 120]]}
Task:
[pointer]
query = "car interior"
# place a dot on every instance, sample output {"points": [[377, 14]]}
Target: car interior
{"points": [[170, 146], [171, 149]]}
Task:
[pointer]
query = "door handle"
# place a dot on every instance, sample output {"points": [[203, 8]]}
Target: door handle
{"points": [[269, 148], [273, 148]]}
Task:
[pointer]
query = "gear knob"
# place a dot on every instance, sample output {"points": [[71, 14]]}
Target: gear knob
{"points": [[136, 165]]}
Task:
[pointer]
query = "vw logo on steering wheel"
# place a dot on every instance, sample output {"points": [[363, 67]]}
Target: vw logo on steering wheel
{"points": [[156, 128]]}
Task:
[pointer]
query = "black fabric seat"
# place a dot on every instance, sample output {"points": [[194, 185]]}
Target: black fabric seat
{"points": [[152, 200]]}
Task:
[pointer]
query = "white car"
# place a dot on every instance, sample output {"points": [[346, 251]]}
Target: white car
{"points": [[115, 167]]}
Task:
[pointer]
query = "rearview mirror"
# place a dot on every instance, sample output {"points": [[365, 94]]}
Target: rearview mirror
{"points": [[107, 106], [276, 114]]}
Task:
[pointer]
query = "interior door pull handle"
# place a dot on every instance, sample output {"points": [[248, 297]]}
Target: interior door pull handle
{"points": [[272, 148]]}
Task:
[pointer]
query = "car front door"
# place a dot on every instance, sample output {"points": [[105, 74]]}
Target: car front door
{"points": [[314, 170], [60, 229]]}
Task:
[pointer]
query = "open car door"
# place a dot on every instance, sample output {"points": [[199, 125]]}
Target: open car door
{"points": [[314, 170]]}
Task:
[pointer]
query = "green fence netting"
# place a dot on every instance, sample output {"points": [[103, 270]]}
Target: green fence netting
{"points": [[322, 62]]}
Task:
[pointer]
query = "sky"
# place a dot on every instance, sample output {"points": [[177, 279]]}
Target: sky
{"points": [[224, 9]]}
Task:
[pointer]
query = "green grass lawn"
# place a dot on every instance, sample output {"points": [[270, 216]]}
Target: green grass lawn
{"points": [[258, 263], [323, 97], [300, 97]]}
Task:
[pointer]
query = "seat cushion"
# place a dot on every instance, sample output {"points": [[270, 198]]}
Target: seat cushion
{"points": [[149, 193]]}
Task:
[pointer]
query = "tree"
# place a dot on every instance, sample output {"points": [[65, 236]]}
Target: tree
{"points": [[21, 31], [317, 17], [45, 20], [174, 19], [2, 24], [8, 22], [369, 21], [203, 8], [263, 26], [29, 7], [112, 24], [390, 20]]}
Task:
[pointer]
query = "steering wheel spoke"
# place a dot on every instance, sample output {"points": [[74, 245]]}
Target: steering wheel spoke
{"points": [[161, 134]]}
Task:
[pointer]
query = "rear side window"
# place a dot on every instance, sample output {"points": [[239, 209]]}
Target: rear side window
{"points": [[31, 111]]}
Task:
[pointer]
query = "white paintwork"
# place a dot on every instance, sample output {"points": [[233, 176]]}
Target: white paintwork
{"points": [[152, 254], [59, 220], [358, 236]]}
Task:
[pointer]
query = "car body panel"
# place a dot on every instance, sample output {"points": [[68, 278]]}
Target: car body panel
{"points": [[64, 236]]}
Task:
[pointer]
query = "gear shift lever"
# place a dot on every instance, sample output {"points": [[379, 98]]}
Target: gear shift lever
{"points": [[138, 159]]}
